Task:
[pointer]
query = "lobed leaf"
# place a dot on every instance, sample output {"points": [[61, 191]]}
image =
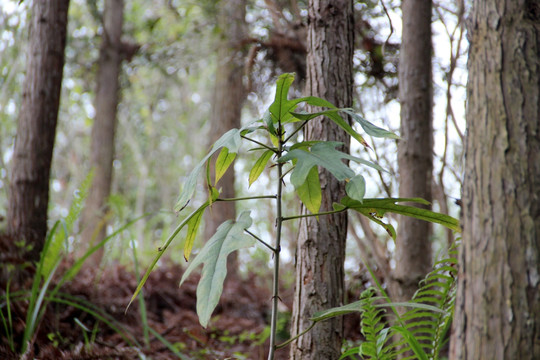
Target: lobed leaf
{"points": [[321, 154], [281, 107], [229, 237], [369, 128], [230, 140], [333, 115]]}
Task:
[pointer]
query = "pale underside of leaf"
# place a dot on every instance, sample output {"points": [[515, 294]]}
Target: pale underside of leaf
{"points": [[231, 140], [356, 188], [229, 237]]}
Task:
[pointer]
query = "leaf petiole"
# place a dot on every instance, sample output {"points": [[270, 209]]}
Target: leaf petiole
{"points": [[260, 240], [285, 218]]}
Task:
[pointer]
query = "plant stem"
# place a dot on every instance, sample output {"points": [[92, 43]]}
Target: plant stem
{"points": [[295, 131], [247, 198], [277, 250], [317, 214], [260, 143], [260, 240]]}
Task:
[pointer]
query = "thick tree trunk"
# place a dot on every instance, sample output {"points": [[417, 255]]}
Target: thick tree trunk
{"points": [[498, 305], [103, 130], [321, 244], [413, 246], [29, 184], [229, 97]]}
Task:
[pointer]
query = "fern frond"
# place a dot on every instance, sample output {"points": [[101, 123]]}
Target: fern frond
{"points": [[438, 289], [375, 331]]}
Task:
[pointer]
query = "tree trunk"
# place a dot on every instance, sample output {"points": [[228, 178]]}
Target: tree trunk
{"points": [[229, 97], [498, 303], [103, 130], [415, 159], [29, 184], [321, 244]]}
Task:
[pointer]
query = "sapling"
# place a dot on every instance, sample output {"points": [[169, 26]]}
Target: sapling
{"points": [[302, 160]]}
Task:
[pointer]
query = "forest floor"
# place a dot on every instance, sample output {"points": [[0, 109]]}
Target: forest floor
{"points": [[238, 329]]}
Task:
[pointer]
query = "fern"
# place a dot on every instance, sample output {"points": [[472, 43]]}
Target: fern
{"points": [[429, 328], [374, 330], [422, 330]]}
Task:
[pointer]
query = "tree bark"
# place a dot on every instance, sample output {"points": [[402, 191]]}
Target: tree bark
{"points": [[36, 130], [498, 302], [104, 128], [415, 159], [229, 97], [321, 244]]}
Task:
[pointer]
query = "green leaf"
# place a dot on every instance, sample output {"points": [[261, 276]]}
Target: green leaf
{"points": [[310, 191], [333, 115], [364, 162], [280, 108], [369, 128], [412, 341], [379, 207], [231, 140], [317, 101], [193, 228], [224, 160], [267, 118], [259, 166], [356, 188], [321, 154], [351, 352], [229, 237], [338, 206], [304, 145], [356, 306]]}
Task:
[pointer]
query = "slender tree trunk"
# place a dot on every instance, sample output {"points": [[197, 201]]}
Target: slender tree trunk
{"points": [[29, 184], [229, 97], [415, 159], [105, 122], [321, 244], [498, 304]]}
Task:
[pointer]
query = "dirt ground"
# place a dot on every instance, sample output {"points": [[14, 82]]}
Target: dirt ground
{"points": [[238, 330]]}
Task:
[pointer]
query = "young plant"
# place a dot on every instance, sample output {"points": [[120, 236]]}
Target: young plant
{"points": [[302, 160]]}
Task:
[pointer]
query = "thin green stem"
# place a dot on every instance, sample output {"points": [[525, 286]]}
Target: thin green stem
{"points": [[296, 337], [286, 172], [248, 198], [310, 215], [277, 250], [260, 143], [295, 131], [260, 240]]}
